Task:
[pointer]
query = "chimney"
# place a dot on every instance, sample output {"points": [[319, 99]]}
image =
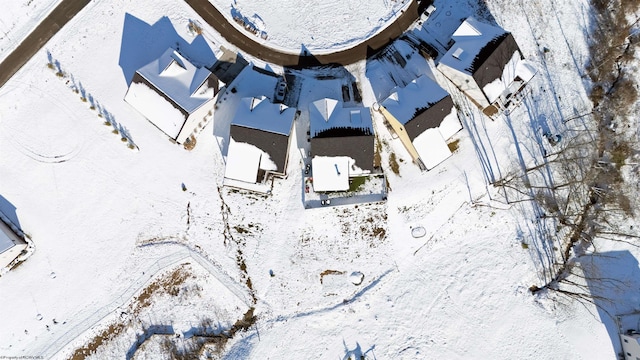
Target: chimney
{"points": [[458, 53]]}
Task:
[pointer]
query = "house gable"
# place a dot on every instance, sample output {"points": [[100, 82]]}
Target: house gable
{"points": [[419, 106], [179, 80], [339, 131]]}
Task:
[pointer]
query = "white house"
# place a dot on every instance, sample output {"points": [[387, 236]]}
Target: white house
{"points": [[173, 94], [486, 64], [11, 245], [259, 142], [342, 144], [423, 116]]}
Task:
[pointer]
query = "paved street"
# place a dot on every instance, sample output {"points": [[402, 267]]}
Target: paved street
{"points": [[64, 12]]}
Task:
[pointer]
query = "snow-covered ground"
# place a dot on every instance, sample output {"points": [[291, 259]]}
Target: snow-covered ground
{"points": [[321, 27], [106, 219], [18, 19]]}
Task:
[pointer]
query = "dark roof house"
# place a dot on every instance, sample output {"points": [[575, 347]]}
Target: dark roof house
{"points": [[342, 144], [486, 64], [424, 114]]}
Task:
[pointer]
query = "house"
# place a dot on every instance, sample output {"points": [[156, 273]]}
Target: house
{"points": [[11, 242], [259, 141], [342, 144], [173, 94], [486, 64], [422, 115], [630, 341]]}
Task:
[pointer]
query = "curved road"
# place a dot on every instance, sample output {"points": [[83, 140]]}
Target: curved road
{"points": [[49, 26], [67, 9], [245, 42]]}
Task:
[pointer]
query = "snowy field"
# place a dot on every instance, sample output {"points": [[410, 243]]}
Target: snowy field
{"points": [[339, 282], [321, 27], [18, 19]]}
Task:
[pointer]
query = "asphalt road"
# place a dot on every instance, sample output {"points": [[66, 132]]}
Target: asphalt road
{"points": [[64, 12], [245, 41]]}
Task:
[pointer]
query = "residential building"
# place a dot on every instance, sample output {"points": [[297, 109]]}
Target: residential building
{"points": [[486, 64], [630, 341], [423, 116], [342, 144], [174, 95]]}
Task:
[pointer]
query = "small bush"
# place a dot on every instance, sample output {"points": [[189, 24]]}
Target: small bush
{"points": [[50, 66], [454, 145], [620, 153], [393, 163], [524, 245], [190, 143], [625, 204]]}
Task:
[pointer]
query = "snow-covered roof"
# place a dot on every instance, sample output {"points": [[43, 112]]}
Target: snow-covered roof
{"points": [[470, 38], [243, 162], [450, 124], [325, 114], [5, 242], [431, 147], [260, 113], [421, 93], [179, 80], [330, 173], [515, 68], [156, 108]]}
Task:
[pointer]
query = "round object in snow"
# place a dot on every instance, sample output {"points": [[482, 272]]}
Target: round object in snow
{"points": [[356, 277], [52, 275], [39, 317], [418, 232], [376, 106]]}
